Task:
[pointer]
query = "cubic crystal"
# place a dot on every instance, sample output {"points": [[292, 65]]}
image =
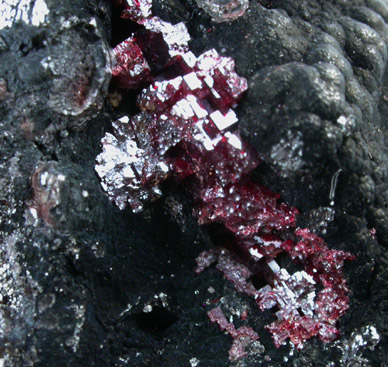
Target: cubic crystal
{"points": [[184, 130]]}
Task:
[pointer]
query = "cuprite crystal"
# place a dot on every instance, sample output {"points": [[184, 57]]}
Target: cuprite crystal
{"points": [[245, 209], [187, 109], [301, 311], [131, 69], [179, 111], [148, 50]]}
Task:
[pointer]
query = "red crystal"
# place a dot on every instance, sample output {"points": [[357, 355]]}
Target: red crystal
{"points": [[302, 313], [131, 69], [245, 209], [149, 50], [175, 112], [184, 130]]}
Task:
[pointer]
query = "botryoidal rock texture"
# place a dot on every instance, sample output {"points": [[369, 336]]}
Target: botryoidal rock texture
{"points": [[83, 284]]}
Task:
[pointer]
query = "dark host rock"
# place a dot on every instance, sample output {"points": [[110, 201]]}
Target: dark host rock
{"points": [[83, 284]]}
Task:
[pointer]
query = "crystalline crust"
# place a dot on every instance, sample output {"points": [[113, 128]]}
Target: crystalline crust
{"points": [[187, 110]]}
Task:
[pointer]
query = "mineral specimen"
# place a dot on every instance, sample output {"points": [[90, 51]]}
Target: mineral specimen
{"points": [[184, 130], [192, 111], [131, 68], [302, 312]]}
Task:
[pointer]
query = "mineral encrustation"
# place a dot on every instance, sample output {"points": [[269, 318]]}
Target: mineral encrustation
{"points": [[185, 130], [83, 283]]}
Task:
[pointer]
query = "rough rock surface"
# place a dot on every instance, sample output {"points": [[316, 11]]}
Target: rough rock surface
{"points": [[83, 284]]}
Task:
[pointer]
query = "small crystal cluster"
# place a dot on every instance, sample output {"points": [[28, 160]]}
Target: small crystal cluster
{"points": [[187, 106], [302, 312], [184, 130]]}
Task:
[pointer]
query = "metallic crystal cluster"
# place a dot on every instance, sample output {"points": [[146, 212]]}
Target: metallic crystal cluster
{"points": [[184, 130], [302, 312], [187, 106]]}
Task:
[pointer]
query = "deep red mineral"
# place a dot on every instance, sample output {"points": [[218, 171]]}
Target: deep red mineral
{"points": [[188, 105], [131, 69]]}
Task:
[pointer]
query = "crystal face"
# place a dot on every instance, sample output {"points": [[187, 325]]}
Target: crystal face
{"points": [[192, 111], [186, 107], [131, 69], [224, 10], [245, 209]]}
